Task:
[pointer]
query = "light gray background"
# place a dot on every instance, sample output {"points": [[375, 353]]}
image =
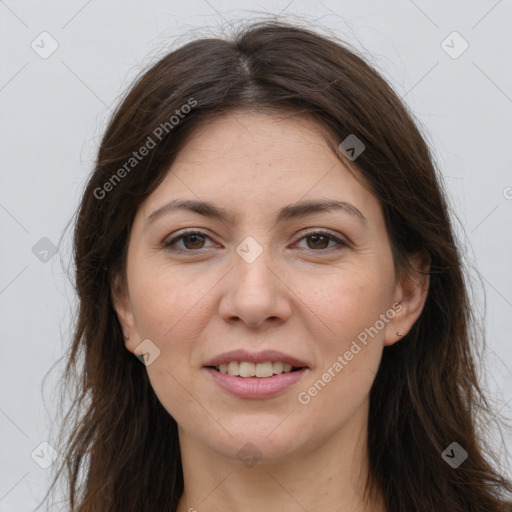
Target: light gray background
{"points": [[53, 112]]}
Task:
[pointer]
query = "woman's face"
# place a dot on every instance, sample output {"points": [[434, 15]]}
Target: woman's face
{"points": [[266, 274]]}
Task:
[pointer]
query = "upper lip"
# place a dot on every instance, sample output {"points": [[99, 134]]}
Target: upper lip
{"points": [[256, 357]]}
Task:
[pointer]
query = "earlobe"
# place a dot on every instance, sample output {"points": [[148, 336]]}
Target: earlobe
{"points": [[411, 294]]}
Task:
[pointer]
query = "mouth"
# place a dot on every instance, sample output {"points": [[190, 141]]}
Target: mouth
{"points": [[255, 380], [247, 369], [260, 375]]}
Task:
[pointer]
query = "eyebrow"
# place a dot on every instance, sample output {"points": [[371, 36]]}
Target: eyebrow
{"points": [[288, 212]]}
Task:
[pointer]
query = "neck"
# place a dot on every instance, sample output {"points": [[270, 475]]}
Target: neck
{"points": [[326, 475]]}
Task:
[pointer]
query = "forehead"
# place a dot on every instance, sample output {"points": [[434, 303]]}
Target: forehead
{"points": [[263, 138], [249, 161]]}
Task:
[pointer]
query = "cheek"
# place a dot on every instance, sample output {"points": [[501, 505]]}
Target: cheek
{"points": [[167, 302], [348, 340], [348, 302], [348, 352], [173, 320]]}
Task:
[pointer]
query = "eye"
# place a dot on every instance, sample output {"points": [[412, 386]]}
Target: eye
{"points": [[320, 240], [192, 241]]}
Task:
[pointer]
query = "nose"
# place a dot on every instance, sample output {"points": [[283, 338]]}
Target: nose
{"points": [[255, 294]]}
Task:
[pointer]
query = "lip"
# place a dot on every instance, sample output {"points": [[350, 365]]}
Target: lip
{"points": [[259, 357], [256, 387]]}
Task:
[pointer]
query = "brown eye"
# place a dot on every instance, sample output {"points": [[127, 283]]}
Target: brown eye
{"points": [[194, 241], [318, 241], [190, 241]]}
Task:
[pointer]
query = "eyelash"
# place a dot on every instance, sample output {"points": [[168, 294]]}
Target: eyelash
{"points": [[168, 244]]}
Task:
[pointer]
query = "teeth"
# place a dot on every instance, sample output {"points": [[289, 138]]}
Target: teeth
{"points": [[264, 369], [233, 368], [278, 367], [248, 369]]}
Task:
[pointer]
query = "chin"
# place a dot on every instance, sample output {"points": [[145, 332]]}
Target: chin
{"points": [[261, 443]]}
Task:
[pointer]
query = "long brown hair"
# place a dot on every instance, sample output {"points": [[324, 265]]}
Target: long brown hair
{"points": [[121, 450]]}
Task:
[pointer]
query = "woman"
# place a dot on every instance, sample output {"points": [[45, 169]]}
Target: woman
{"points": [[273, 312]]}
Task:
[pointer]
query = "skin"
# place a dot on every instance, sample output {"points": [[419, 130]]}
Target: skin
{"points": [[306, 297]]}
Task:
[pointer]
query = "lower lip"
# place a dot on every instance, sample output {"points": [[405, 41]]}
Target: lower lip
{"points": [[256, 387]]}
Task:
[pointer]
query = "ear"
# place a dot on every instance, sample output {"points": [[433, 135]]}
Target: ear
{"points": [[120, 297], [410, 296]]}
